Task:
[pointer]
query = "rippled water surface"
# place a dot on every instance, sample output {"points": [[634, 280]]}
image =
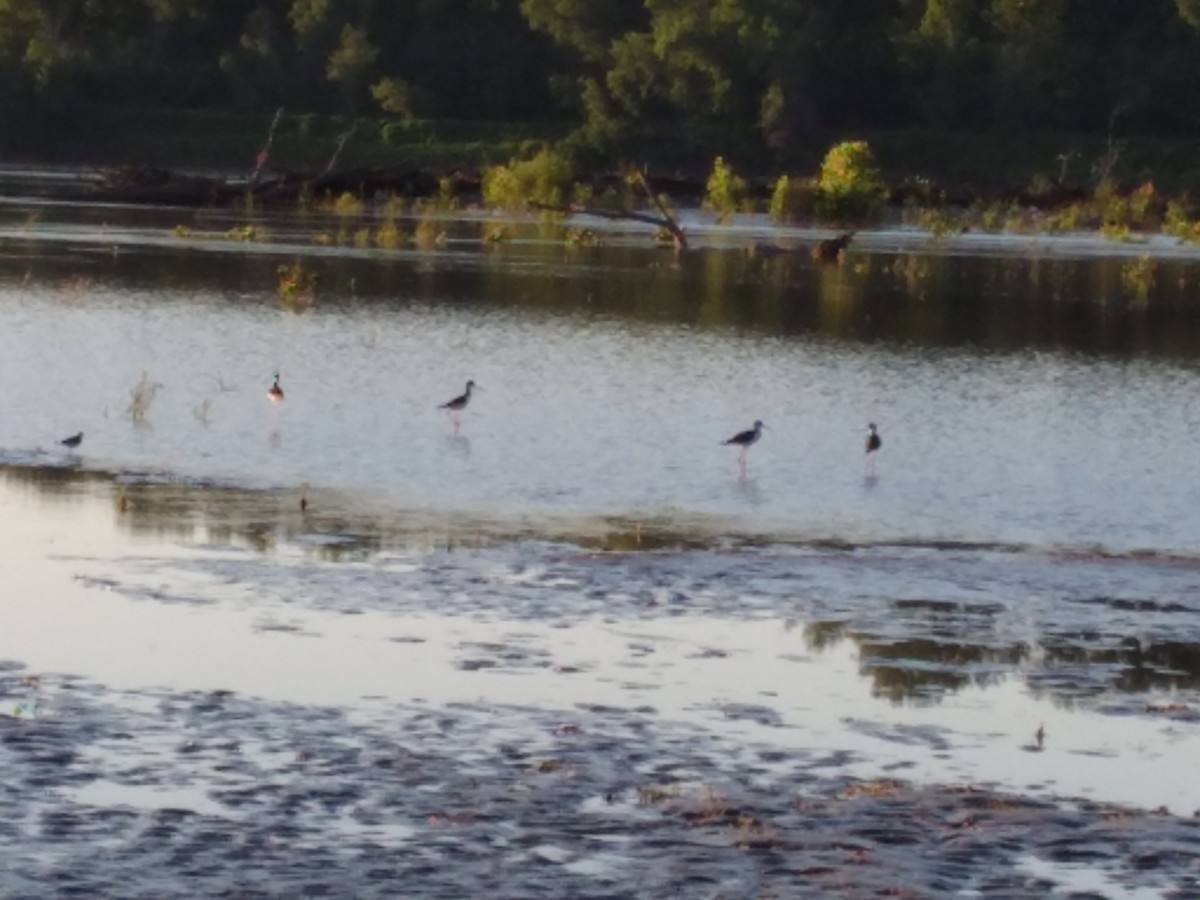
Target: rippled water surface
{"points": [[579, 586]]}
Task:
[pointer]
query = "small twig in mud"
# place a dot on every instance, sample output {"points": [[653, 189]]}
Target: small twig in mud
{"points": [[652, 794], [878, 788], [31, 706], [142, 397], [1039, 739], [222, 385]]}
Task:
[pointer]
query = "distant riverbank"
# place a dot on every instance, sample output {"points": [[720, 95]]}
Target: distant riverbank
{"points": [[980, 162]]}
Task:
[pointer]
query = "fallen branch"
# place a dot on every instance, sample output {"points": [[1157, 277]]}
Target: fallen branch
{"points": [[343, 138], [664, 220], [668, 220], [264, 155]]}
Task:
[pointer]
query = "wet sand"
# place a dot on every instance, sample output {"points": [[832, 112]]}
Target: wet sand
{"points": [[209, 693]]}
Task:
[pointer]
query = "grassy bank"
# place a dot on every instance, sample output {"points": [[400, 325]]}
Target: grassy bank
{"points": [[984, 161], [231, 140]]}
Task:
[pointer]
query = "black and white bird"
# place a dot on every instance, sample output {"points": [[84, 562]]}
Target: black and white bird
{"points": [[73, 441], [455, 407], [872, 444], [745, 439]]}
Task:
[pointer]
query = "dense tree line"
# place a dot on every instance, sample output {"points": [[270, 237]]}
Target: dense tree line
{"points": [[763, 75]]}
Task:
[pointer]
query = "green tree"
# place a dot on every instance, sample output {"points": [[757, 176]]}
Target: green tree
{"points": [[349, 63], [1028, 63], [943, 53]]}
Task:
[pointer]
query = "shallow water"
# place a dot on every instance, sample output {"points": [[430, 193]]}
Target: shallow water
{"points": [[583, 556]]}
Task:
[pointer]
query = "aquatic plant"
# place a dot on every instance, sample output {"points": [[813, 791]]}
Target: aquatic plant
{"points": [[142, 398], [581, 237], [725, 191], [941, 222], [447, 195], [247, 232], [346, 204], [394, 205], [388, 236], [297, 284], [429, 234]]}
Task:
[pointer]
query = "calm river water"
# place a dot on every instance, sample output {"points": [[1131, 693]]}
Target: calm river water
{"points": [[1026, 553]]}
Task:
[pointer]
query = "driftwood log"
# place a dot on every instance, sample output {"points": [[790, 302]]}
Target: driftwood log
{"points": [[830, 250]]}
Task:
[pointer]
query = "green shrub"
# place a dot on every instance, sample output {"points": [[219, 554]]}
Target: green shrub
{"points": [[851, 187], [725, 193], [546, 178], [793, 199], [1178, 222]]}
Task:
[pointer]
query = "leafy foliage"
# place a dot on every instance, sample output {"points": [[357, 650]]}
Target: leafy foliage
{"points": [[774, 78], [793, 199], [546, 178], [725, 191], [851, 187]]}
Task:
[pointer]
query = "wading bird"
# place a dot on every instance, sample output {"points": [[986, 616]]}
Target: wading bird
{"points": [[275, 392], [744, 439], [455, 407], [873, 443]]}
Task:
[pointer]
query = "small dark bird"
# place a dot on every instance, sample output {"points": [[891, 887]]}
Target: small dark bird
{"points": [[73, 441], [745, 439], [872, 444], [275, 392], [830, 249], [455, 407]]}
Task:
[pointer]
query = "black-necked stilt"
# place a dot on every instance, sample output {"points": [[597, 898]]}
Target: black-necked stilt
{"points": [[873, 443], [275, 392], [454, 407], [744, 439], [73, 441]]}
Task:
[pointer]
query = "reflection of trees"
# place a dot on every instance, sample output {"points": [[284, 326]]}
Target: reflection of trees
{"points": [[257, 519], [839, 296], [903, 667], [823, 635], [333, 527], [923, 297]]}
